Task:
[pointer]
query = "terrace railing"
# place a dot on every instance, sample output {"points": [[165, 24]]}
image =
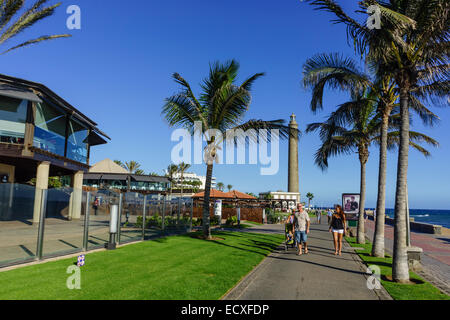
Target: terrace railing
{"points": [[38, 224]]}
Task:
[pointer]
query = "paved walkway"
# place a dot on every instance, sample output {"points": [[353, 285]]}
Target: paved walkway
{"points": [[320, 275], [435, 258]]}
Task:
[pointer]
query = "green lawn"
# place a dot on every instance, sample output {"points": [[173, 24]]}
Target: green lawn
{"points": [[421, 290], [252, 223], [178, 267]]}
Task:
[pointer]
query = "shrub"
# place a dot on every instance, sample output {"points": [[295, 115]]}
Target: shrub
{"points": [[214, 221], [138, 222], [276, 216], [231, 221], [197, 222]]}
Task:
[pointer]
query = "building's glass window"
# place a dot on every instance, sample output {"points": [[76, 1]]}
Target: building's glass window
{"points": [[77, 142], [50, 129], [13, 114]]}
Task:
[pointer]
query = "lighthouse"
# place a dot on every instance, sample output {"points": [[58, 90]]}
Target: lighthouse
{"points": [[293, 183]]}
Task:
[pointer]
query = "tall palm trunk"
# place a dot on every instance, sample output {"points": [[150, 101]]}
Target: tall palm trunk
{"points": [[182, 182], [361, 232], [206, 214], [378, 237], [400, 270]]}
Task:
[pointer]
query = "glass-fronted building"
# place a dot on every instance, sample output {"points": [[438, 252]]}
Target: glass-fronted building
{"points": [[108, 175], [36, 125], [127, 182]]}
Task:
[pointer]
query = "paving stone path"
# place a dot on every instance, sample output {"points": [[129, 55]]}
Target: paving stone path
{"points": [[319, 275]]}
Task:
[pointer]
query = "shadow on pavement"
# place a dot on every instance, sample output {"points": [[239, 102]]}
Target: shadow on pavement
{"points": [[317, 264]]}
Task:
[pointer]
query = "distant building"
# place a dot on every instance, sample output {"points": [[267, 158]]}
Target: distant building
{"points": [[106, 174], [191, 177], [280, 199]]}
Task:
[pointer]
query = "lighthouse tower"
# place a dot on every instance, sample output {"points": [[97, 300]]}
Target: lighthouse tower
{"points": [[293, 177]]}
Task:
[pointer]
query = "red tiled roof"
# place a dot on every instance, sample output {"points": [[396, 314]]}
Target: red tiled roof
{"points": [[214, 194], [240, 195]]}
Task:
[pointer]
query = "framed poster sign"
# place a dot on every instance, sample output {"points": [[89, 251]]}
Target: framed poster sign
{"points": [[350, 205]]}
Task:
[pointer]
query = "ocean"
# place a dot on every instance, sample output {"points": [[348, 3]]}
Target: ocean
{"points": [[439, 217]]}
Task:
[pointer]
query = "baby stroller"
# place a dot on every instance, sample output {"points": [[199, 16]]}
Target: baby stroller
{"points": [[289, 238]]}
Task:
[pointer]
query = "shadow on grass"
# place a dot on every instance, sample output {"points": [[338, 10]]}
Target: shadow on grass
{"points": [[266, 246], [412, 281]]}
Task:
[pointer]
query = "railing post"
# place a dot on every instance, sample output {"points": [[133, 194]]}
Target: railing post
{"points": [[144, 208], [86, 222], [192, 214], [163, 215], [179, 212], [119, 218], [42, 214]]}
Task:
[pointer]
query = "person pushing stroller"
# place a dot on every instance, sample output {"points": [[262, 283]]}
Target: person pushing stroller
{"points": [[301, 227]]}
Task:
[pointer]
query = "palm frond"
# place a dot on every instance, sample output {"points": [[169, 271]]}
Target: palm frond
{"points": [[8, 9], [414, 139], [199, 111], [334, 71], [252, 127], [27, 19], [35, 41], [181, 110]]}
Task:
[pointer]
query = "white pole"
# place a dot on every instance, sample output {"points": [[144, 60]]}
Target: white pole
{"points": [[408, 222]]}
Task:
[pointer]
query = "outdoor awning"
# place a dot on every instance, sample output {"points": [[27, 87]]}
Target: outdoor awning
{"points": [[139, 178], [114, 177], [18, 93], [92, 176], [94, 139]]}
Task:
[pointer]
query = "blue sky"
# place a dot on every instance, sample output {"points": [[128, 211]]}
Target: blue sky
{"points": [[117, 70]]}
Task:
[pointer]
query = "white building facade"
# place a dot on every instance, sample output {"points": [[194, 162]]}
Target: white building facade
{"points": [[191, 177], [286, 200]]}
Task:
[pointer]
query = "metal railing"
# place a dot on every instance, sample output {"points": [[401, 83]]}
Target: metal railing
{"points": [[64, 235]]}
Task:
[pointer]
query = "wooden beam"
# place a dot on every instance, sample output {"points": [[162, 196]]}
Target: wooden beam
{"points": [[29, 129]]}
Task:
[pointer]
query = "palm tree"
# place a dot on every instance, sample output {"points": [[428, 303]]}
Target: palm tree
{"points": [[220, 186], [229, 187], [338, 72], [222, 106], [120, 163], [132, 166], [182, 167], [196, 185], [413, 45], [364, 123], [419, 61], [139, 172], [310, 196], [10, 26], [170, 172]]}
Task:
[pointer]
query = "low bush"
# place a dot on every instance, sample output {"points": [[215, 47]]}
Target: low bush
{"points": [[276, 216], [231, 221]]}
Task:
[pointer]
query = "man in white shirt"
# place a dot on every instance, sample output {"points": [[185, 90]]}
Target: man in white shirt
{"points": [[301, 225]]}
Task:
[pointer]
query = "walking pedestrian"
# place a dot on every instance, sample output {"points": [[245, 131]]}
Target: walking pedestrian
{"points": [[329, 215], [318, 214], [301, 226], [337, 227], [95, 205]]}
